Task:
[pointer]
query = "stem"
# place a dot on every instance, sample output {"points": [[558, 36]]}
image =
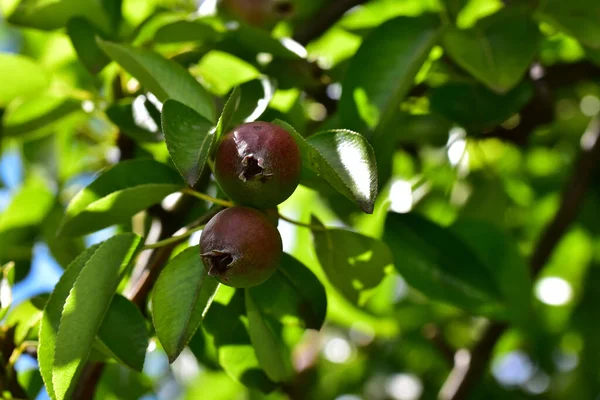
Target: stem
{"points": [[313, 227], [17, 353], [205, 197], [173, 239], [225, 203]]}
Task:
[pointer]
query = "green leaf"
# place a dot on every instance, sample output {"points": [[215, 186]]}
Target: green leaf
{"points": [[374, 86], [223, 71], [118, 383], [64, 249], [26, 317], [500, 255], [83, 36], [20, 76], [353, 263], [123, 332], [350, 160], [189, 138], [165, 78], [292, 295], [255, 98], [476, 107], [342, 158], [21, 220], [578, 18], [38, 112], [50, 15], [135, 120], [265, 335], [117, 194], [31, 381], [182, 295], [85, 307], [202, 30], [253, 40], [224, 323], [436, 262], [52, 313], [488, 51], [229, 109]]}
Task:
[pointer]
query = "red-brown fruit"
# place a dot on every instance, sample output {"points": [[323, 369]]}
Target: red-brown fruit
{"points": [[258, 164], [240, 247], [264, 13]]}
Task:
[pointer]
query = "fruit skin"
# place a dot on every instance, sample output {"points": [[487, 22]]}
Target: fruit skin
{"points": [[240, 247], [258, 164]]}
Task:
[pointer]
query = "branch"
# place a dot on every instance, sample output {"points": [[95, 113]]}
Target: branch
{"points": [[468, 369], [324, 19]]}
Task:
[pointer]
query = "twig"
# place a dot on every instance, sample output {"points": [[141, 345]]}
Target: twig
{"points": [[291, 221], [140, 291], [326, 17], [468, 370], [174, 239], [205, 197]]}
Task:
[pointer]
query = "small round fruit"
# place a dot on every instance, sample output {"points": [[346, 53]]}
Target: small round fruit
{"points": [[240, 247], [258, 164]]}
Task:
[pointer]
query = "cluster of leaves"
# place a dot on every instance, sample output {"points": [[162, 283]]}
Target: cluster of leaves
{"points": [[469, 113]]}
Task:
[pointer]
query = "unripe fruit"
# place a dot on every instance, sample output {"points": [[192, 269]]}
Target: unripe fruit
{"points": [[258, 164], [240, 247]]}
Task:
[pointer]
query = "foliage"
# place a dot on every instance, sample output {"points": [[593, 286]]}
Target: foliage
{"points": [[448, 199]]}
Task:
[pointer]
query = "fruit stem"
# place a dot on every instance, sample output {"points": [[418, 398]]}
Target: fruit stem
{"points": [[173, 239], [205, 197], [312, 227], [227, 203]]}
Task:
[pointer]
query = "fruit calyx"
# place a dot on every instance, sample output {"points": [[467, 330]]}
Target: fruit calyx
{"points": [[218, 261], [253, 168]]}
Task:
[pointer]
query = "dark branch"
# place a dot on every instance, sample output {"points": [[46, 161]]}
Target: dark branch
{"points": [[572, 198], [159, 258], [325, 18], [467, 373]]}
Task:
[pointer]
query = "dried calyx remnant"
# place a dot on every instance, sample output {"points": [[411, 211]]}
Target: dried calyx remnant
{"points": [[253, 168], [218, 261]]}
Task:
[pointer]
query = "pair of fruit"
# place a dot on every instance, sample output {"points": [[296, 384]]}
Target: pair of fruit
{"points": [[258, 166]]}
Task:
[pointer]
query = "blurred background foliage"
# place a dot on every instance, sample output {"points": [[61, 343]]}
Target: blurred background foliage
{"points": [[478, 130]]}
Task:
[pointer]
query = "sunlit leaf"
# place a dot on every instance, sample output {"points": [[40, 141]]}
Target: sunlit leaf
{"points": [[20, 76], [189, 138], [36, 113], [344, 159], [49, 15], [374, 85], [164, 78], [85, 307], [182, 296], [225, 326], [124, 334], [352, 262], [118, 194]]}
